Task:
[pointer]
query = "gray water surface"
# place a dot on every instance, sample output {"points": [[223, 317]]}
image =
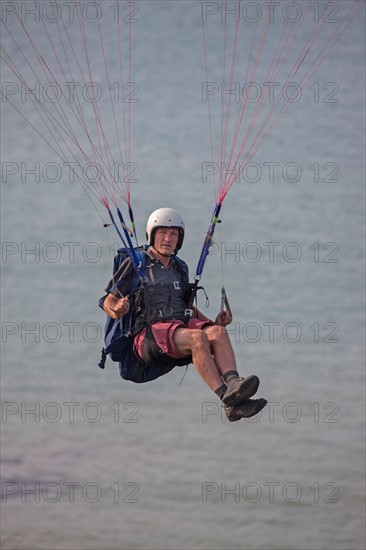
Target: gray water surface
{"points": [[93, 462]]}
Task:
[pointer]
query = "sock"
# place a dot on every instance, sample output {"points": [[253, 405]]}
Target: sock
{"points": [[230, 375], [221, 391]]}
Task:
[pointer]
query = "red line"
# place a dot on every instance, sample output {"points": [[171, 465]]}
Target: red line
{"points": [[208, 98], [324, 52], [121, 80], [231, 179], [223, 151], [46, 113]]}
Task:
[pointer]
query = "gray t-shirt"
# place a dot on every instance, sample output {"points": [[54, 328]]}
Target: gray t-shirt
{"points": [[166, 288]]}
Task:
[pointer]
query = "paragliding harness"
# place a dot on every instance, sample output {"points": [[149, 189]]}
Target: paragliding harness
{"points": [[120, 333]]}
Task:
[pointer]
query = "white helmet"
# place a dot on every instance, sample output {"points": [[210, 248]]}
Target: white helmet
{"points": [[165, 217]]}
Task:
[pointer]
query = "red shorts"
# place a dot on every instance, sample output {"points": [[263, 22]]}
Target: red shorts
{"points": [[163, 334]]}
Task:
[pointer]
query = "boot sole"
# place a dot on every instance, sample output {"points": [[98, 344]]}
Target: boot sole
{"points": [[259, 406], [248, 388]]}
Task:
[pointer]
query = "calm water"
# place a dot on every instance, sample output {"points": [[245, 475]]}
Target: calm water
{"points": [[105, 464]]}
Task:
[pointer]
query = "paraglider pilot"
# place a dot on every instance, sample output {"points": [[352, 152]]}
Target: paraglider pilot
{"points": [[166, 331]]}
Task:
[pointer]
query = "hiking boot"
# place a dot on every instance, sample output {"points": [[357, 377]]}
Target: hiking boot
{"points": [[246, 409], [240, 389]]}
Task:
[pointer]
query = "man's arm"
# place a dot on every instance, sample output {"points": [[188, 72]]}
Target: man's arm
{"points": [[223, 318], [116, 307]]}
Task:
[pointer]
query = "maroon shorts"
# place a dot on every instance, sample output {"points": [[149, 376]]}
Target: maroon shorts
{"points": [[163, 334]]}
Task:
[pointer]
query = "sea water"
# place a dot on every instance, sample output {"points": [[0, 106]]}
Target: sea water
{"points": [[93, 462]]}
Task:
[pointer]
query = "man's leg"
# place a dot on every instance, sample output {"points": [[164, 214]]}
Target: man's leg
{"points": [[221, 348], [213, 358], [234, 388], [195, 342], [202, 344]]}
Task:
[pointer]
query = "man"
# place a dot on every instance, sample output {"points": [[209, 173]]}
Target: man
{"points": [[167, 326]]}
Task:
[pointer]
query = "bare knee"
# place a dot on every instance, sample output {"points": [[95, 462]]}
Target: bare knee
{"points": [[217, 334], [198, 339]]}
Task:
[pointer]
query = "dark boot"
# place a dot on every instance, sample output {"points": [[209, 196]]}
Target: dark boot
{"points": [[240, 389], [246, 409]]}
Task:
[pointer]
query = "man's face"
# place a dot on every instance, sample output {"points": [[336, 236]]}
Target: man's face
{"points": [[166, 240]]}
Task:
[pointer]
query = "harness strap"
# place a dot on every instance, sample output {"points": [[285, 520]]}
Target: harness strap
{"points": [[152, 355], [103, 358]]}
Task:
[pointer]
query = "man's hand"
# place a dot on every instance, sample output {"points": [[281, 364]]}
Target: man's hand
{"points": [[223, 318], [116, 307]]}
